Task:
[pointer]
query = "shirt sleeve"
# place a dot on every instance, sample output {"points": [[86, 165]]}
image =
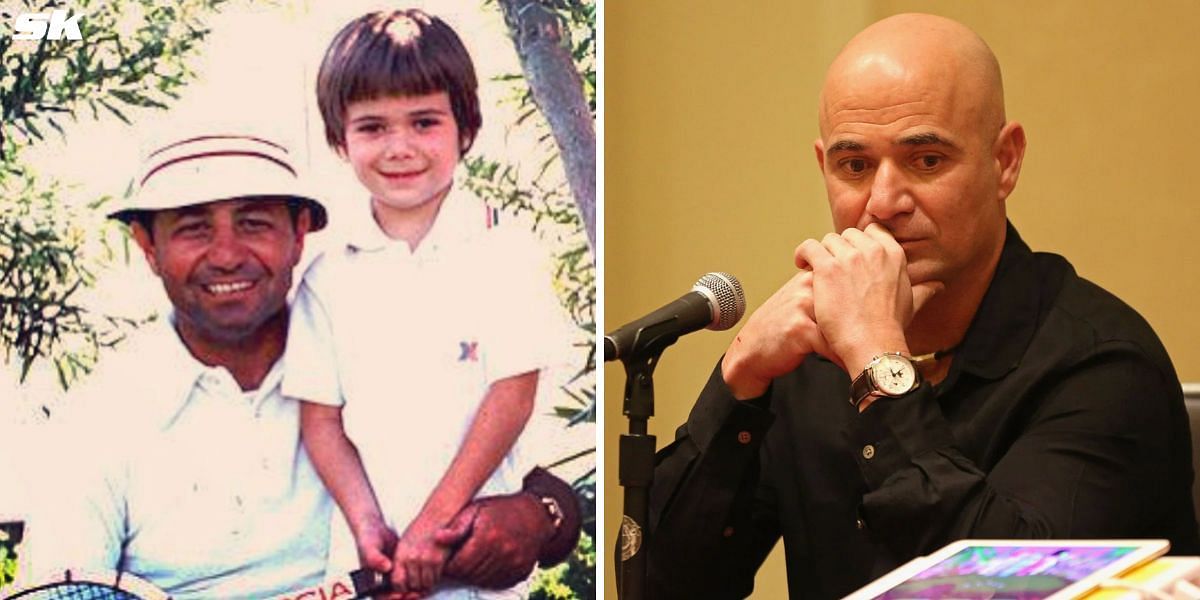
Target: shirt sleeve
{"points": [[1092, 462], [527, 325], [310, 358], [713, 513], [79, 521]]}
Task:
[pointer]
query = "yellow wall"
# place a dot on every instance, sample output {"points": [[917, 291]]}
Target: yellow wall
{"points": [[709, 118]]}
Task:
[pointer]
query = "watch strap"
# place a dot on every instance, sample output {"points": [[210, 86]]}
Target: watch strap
{"points": [[563, 511], [862, 386]]}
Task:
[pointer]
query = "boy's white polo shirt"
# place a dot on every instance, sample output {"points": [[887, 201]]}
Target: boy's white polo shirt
{"points": [[410, 341], [183, 479]]}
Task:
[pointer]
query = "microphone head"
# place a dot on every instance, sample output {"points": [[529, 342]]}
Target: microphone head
{"points": [[725, 294]]}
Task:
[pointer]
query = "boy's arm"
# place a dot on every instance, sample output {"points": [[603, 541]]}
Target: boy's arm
{"points": [[337, 462], [505, 409], [502, 416]]}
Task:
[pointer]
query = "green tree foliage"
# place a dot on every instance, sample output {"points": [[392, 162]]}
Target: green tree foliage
{"points": [[133, 55], [573, 579], [11, 534], [542, 32], [8, 567]]}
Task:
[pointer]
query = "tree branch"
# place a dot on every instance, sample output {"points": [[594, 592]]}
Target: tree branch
{"points": [[539, 37]]}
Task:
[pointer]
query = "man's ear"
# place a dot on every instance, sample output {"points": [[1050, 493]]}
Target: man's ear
{"points": [[819, 147], [1009, 151], [303, 226], [146, 242]]}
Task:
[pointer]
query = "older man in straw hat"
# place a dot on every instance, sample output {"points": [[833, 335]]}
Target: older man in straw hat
{"points": [[186, 466], [191, 473]]}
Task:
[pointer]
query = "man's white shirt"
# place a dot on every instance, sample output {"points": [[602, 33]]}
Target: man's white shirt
{"points": [[180, 477]]}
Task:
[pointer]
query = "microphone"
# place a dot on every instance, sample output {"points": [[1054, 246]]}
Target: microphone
{"points": [[716, 302]]}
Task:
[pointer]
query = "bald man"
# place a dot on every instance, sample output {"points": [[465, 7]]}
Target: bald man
{"points": [[924, 377]]}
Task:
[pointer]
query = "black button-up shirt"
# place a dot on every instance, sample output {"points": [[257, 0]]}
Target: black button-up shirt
{"points": [[1061, 417]]}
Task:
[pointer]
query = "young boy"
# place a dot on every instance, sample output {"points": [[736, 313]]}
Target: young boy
{"points": [[416, 344]]}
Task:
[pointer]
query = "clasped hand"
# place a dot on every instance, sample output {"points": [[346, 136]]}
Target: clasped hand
{"points": [[850, 301], [493, 543]]}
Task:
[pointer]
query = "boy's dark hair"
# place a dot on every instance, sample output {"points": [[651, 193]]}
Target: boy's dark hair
{"points": [[400, 52]]}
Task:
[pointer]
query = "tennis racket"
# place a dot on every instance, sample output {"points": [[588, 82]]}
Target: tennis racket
{"points": [[75, 585]]}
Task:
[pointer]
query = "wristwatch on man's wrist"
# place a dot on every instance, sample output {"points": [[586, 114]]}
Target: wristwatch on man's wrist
{"points": [[562, 508], [889, 374]]}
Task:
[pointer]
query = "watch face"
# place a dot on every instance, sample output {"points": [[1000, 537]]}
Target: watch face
{"points": [[893, 375]]}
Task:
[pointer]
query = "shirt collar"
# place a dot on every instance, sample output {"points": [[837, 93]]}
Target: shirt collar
{"points": [[188, 373], [461, 215], [362, 232], [1010, 312]]}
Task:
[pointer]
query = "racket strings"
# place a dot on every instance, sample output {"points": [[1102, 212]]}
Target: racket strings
{"points": [[76, 590]]}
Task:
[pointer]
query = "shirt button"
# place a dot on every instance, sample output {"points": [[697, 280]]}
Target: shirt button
{"points": [[744, 437], [859, 524], [868, 452], [728, 532]]}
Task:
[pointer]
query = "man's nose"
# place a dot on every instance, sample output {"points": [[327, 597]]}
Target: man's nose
{"points": [[226, 251], [891, 193]]}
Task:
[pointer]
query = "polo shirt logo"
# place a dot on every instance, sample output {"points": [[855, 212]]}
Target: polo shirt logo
{"points": [[470, 351]]}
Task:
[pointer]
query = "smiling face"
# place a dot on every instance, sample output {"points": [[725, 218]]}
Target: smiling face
{"points": [[226, 266], [913, 138], [404, 150]]}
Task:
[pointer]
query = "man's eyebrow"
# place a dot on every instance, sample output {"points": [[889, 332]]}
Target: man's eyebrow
{"points": [[845, 146], [925, 139], [192, 210], [259, 205]]}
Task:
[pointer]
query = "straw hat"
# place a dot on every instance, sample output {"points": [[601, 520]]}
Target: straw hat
{"points": [[209, 168]]}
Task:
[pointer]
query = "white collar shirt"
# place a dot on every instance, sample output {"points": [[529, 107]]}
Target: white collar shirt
{"points": [[408, 343], [185, 480]]}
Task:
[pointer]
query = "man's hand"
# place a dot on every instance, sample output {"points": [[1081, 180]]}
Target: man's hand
{"points": [[500, 539], [775, 339], [862, 296]]}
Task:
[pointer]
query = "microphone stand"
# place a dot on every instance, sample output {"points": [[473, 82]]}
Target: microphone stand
{"points": [[636, 472], [636, 462]]}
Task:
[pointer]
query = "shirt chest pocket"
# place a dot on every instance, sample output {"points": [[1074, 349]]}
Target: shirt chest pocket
{"points": [[194, 478]]}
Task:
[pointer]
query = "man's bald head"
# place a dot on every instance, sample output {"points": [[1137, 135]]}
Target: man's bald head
{"points": [[914, 138], [934, 55]]}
